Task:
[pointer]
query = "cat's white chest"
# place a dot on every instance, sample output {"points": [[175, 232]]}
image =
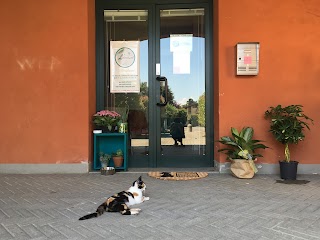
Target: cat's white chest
{"points": [[138, 197], [135, 200]]}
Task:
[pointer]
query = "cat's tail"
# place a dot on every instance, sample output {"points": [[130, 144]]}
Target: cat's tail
{"points": [[88, 216], [100, 210]]}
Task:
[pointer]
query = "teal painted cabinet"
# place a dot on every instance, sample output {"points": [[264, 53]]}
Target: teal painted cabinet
{"points": [[110, 143]]}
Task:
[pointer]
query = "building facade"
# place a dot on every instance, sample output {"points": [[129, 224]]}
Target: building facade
{"points": [[56, 66]]}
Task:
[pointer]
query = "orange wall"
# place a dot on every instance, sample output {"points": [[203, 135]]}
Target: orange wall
{"points": [[47, 65], [47, 80], [289, 36]]}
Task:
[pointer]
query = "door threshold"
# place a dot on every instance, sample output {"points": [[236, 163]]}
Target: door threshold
{"points": [[146, 170]]}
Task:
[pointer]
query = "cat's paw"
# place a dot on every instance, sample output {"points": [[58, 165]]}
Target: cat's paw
{"points": [[135, 211], [146, 198]]}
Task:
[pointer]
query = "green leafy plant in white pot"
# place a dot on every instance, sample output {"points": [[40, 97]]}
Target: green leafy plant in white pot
{"points": [[241, 151], [287, 124], [104, 160]]}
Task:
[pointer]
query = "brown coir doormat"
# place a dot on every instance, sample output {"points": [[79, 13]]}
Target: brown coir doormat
{"points": [[178, 176]]}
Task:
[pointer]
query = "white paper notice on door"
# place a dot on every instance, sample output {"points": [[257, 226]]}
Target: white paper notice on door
{"points": [[181, 63], [181, 46], [124, 66]]}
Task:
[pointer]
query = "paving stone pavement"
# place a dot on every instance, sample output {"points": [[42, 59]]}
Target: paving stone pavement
{"points": [[216, 207]]}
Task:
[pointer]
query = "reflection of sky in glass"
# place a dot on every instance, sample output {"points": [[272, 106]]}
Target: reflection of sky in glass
{"points": [[183, 86]]}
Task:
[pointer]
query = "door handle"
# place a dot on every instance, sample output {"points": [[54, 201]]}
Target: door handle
{"points": [[163, 79]]}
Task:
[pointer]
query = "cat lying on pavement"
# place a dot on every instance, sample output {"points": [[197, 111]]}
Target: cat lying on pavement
{"points": [[122, 201]]}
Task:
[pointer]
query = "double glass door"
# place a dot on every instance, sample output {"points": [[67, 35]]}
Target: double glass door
{"points": [[154, 75]]}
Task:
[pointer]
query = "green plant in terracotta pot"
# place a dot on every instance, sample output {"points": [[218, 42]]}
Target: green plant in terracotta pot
{"points": [[117, 158], [241, 151], [287, 124]]}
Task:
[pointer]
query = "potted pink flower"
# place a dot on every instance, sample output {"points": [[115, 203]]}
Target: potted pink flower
{"points": [[106, 120]]}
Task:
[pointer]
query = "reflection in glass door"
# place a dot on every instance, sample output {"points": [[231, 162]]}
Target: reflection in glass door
{"points": [[166, 115], [182, 61], [125, 26]]}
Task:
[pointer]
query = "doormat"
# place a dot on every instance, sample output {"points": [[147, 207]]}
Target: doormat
{"points": [[178, 176], [293, 181]]}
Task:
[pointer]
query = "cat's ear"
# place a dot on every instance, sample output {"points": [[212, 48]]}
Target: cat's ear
{"points": [[134, 183], [137, 181]]}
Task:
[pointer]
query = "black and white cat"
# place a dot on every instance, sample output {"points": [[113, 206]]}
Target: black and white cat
{"points": [[122, 201]]}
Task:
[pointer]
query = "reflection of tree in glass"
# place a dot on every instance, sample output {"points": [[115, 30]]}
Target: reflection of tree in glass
{"points": [[202, 110], [136, 105], [191, 103], [170, 96], [139, 102], [172, 112], [133, 101]]}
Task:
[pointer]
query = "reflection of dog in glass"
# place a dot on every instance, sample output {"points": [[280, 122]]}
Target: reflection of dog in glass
{"points": [[177, 132]]}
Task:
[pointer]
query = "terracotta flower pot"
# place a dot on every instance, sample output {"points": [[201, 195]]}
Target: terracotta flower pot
{"points": [[118, 161]]}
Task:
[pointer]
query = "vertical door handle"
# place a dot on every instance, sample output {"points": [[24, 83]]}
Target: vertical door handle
{"points": [[163, 79]]}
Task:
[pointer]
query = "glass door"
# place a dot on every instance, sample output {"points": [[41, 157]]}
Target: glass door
{"points": [[127, 82], [154, 75], [181, 73]]}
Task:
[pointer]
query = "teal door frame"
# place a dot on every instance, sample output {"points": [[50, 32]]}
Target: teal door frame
{"points": [[153, 7]]}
